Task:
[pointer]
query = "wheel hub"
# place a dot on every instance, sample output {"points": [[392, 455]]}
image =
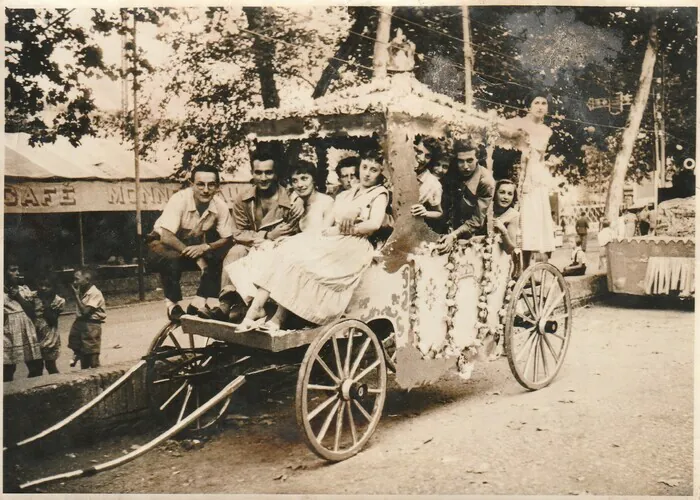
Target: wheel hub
{"points": [[351, 390]]}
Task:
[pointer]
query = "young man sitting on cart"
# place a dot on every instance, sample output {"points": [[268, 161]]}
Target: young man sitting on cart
{"points": [[193, 232], [347, 172], [263, 211], [471, 195]]}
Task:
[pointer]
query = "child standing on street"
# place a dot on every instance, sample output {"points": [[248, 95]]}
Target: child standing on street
{"points": [[20, 344], [48, 306], [85, 335]]}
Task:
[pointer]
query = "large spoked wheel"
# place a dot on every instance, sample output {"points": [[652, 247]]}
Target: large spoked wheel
{"points": [[341, 390], [183, 372], [538, 326]]}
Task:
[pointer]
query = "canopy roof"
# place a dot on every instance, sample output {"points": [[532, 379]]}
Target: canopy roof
{"points": [[95, 158], [362, 111]]}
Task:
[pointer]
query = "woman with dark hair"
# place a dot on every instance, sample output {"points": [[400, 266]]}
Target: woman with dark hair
{"points": [[314, 277], [536, 214], [506, 217], [318, 215]]}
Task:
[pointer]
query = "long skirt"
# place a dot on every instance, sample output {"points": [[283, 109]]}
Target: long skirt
{"points": [[20, 343], [315, 276], [243, 271], [537, 227]]}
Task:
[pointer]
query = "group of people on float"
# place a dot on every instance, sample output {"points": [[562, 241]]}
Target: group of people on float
{"points": [[306, 251]]}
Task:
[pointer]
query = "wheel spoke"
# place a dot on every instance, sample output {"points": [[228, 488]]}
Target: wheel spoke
{"points": [[177, 344], [318, 387], [362, 410], [529, 337], [529, 354], [328, 370], [349, 351], [374, 390], [338, 362], [536, 364], [543, 280], [526, 318], [549, 307], [359, 357], [339, 426], [545, 367], [184, 404], [322, 406], [364, 372], [527, 303], [173, 396], [551, 349], [557, 336], [533, 285], [351, 419], [560, 317], [327, 422]]}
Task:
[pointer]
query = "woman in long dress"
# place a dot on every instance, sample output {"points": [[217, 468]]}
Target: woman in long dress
{"points": [[537, 227], [314, 276], [318, 215]]}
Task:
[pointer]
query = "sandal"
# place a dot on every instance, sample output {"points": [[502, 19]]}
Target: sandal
{"points": [[270, 327]]}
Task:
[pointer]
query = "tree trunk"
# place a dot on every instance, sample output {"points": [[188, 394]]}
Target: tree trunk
{"points": [[351, 42], [381, 46], [263, 52], [617, 181]]}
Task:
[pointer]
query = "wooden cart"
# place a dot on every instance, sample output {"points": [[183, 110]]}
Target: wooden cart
{"points": [[415, 313]]}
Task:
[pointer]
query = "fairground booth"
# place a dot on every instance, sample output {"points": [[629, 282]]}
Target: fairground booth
{"points": [[68, 206]]}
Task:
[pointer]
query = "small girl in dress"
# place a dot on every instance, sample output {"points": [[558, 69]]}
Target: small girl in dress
{"points": [[48, 306], [20, 342]]}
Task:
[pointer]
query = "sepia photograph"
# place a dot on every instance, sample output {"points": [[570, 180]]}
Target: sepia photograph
{"points": [[361, 250]]}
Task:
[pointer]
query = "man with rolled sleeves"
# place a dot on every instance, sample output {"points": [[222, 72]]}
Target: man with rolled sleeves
{"points": [[263, 211], [471, 196], [193, 232]]}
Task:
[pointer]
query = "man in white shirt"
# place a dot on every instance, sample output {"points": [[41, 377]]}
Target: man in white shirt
{"points": [[194, 231]]}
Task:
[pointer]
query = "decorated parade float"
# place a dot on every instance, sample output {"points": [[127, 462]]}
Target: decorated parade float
{"points": [[415, 313], [662, 264]]}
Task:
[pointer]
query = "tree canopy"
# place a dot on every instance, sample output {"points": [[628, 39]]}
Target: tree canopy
{"points": [[225, 61]]}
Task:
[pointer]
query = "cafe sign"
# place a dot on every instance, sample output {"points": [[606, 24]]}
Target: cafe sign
{"points": [[94, 196]]}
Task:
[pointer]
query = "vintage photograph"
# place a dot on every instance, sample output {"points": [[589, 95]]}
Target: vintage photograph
{"points": [[337, 249]]}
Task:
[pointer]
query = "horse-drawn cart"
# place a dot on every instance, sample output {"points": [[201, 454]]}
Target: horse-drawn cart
{"points": [[415, 313]]}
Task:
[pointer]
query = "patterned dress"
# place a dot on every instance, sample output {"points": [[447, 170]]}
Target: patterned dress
{"points": [[314, 275], [20, 343]]}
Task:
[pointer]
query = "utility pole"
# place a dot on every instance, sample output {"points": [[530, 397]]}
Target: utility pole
{"points": [[137, 173], [381, 45], [124, 82], [468, 57]]}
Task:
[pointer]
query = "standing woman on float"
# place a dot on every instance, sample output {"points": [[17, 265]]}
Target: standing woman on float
{"points": [[537, 227]]}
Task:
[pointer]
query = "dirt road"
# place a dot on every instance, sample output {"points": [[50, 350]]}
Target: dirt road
{"points": [[618, 420]]}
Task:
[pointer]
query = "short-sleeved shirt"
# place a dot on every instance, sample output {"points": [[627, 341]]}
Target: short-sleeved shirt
{"points": [[181, 217], [93, 298], [429, 190]]}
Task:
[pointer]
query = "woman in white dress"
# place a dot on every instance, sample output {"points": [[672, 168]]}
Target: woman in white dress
{"points": [[318, 215], [537, 226], [314, 276]]}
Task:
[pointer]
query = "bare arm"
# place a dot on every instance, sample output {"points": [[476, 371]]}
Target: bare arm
{"points": [[376, 217]]}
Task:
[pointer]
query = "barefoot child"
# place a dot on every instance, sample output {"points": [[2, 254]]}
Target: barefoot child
{"points": [[85, 335], [20, 344], [48, 306]]}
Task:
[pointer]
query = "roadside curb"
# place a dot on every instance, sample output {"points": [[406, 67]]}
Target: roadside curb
{"points": [[31, 405]]}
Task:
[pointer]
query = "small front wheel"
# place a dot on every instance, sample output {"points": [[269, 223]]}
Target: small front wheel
{"points": [[341, 390], [538, 326]]}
